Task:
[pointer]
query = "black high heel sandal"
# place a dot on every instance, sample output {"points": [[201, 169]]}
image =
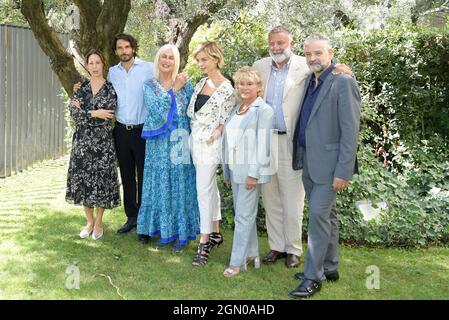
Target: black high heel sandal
{"points": [[216, 239], [202, 254]]}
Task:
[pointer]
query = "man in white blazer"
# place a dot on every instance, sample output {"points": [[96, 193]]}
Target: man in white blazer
{"points": [[283, 75]]}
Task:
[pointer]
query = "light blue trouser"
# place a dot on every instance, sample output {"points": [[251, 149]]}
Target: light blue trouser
{"points": [[245, 243]]}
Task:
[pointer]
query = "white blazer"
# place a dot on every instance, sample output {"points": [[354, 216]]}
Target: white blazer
{"points": [[293, 90], [252, 147]]}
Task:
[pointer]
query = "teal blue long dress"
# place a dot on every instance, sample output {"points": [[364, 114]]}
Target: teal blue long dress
{"points": [[169, 205]]}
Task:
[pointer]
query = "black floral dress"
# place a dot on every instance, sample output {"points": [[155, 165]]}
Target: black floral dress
{"points": [[92, 175]]}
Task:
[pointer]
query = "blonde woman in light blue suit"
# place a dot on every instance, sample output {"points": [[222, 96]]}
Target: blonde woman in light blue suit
{"points": [[246, 164]]}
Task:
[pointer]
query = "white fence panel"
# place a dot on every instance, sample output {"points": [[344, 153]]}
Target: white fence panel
{"points": [[32, 123]]}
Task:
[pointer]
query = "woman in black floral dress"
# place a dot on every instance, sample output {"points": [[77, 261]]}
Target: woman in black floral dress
{"points": [[92, 175]]}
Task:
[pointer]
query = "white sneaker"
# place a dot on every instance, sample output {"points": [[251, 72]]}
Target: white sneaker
{"points": [[85, 233], [96, 237]]}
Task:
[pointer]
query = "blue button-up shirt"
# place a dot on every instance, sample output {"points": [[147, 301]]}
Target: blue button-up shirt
{"points": [[129, 88], [309, 101], [275, 94]]}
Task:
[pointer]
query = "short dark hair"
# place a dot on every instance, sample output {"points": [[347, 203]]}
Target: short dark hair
{"points": [[123, 36]]}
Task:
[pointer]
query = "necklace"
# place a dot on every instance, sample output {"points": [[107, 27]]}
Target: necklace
{"points": [[243, 110]]}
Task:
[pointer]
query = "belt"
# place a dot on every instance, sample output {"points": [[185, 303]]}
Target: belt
{"points": [[129, 126], [280, 132]]}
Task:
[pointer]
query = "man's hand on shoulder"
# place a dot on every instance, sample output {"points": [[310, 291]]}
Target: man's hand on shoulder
{"points": [[76, 87], [342, 69]]}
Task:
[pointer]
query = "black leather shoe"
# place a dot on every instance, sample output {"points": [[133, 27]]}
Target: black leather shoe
{"points": [[306, 289], [128, 226], [299, 276], [143, 238], [329, 276], [273, 256], [332, 276]]}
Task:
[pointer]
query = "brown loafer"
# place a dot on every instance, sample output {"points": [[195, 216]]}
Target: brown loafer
{"points": [[272, 256], [292, 261]]}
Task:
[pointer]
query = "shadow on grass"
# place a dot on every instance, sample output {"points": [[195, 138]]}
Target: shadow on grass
{"points": [[48, 242]]}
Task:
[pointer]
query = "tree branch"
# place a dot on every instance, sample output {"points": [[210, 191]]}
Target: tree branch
{"points": [[89, 11], [182, 30], [61, 62], [442, 7], [111, 21]]}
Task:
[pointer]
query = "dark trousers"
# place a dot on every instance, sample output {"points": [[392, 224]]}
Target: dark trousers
{"points": [[130, 148]]}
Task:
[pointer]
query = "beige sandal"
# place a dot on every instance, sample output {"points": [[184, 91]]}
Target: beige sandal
{"points": [[230, 272]]}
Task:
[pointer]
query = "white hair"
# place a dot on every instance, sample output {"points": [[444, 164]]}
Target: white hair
{"points": [[177, 60], [319, 37]]}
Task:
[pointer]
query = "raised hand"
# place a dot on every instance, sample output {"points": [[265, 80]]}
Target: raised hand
{"points": [[181, 79]]}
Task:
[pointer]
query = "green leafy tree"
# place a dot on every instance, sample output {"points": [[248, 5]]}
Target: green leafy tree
{"points": [[10, 13], [93, 24], [244, 40]]}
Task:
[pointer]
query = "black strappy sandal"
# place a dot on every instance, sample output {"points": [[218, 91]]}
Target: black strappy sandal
{"points": [[216, 239], [202, 254]]}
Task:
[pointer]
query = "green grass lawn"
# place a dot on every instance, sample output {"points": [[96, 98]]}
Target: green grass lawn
{"points": [[39, 239]]}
